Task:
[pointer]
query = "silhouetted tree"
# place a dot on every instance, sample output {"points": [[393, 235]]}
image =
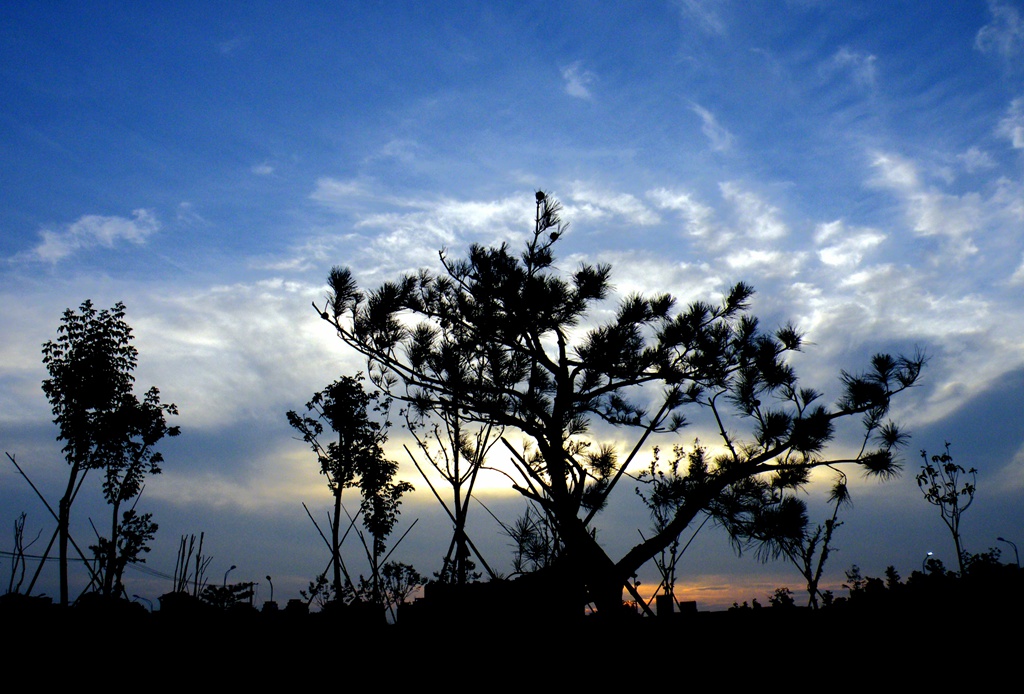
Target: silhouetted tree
{"points": [[399, 582], [129, 456], [196, 576], [951, 488], [18, 564], [524, 359], [788, 533], [664, 494], [103, 425], [457, 452], [536, 544], [355, 459]]}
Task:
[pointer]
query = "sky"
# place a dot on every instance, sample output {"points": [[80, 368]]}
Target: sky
{"points": [[861, 164]]}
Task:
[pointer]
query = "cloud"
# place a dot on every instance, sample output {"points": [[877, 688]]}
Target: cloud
{"points": [[758, 219], [1012, 126], [236, 352], [1018, 276], [577, 81], [720, 138], [861, 66], [399, 149], [187, 215], [765, 262], [845, 247], [1004, 35], [975, 160], [91, 231], [586, 202], [704, 12], [697, 217], [931, 212], [264, 169], [336, 193], [229, 46]]}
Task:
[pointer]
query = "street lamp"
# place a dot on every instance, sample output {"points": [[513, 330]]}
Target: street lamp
{"points": [[924, 562], [271, 589], [233, 567], [1015, 555], [148, 601]]}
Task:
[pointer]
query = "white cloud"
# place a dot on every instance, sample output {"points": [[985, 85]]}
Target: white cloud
{"points": [[94, 230], [399, 149], [338, 193], [704, 12], [843, 246], [720, 138], [975, 159], [697, 216], [187, 215], [584, 201], [1018, 276], [929, 211], [229, 46], [861, 66], [237, 352], [758, 219], [264, 169], [577, 80], [768, 263], [1012, 126], [1004, 35], [410, 238]]}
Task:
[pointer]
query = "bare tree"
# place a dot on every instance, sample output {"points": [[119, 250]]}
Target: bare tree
{"points": [[951, 488]]}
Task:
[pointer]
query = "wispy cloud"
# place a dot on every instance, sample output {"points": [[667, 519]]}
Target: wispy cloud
{"points": [[697, 217], [1012, 126], [93, 230], [758, 219], [862, 67], [929, 211], [229, 46], [845, 247], [335, 192], [264, 169], [975, 160], [585, 201], [1004, 35], [705, 13], [718, 136], [578, 80]]}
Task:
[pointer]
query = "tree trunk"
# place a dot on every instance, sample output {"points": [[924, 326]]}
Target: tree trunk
{"points": [[336, 544], [63, 527]]}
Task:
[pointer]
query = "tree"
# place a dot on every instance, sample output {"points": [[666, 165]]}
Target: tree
{"points": [[355, 459], [951, 488], [103, 425], [666, 495], [457, 455], [519, 355]]}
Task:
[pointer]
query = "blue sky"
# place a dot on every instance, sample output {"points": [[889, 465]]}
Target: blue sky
{"points": [[860, 163]]}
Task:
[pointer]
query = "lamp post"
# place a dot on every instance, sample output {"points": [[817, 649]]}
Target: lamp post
{"points": [[148, 601], [924, 562], [1015, 554], [233, 567], [271, 589]]}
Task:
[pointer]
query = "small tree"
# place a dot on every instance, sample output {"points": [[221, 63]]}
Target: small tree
{"points": [[103, 424], [355, 459], [950, 487], [457, 453], [399, 581], [18, 564], [665, 494]]}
